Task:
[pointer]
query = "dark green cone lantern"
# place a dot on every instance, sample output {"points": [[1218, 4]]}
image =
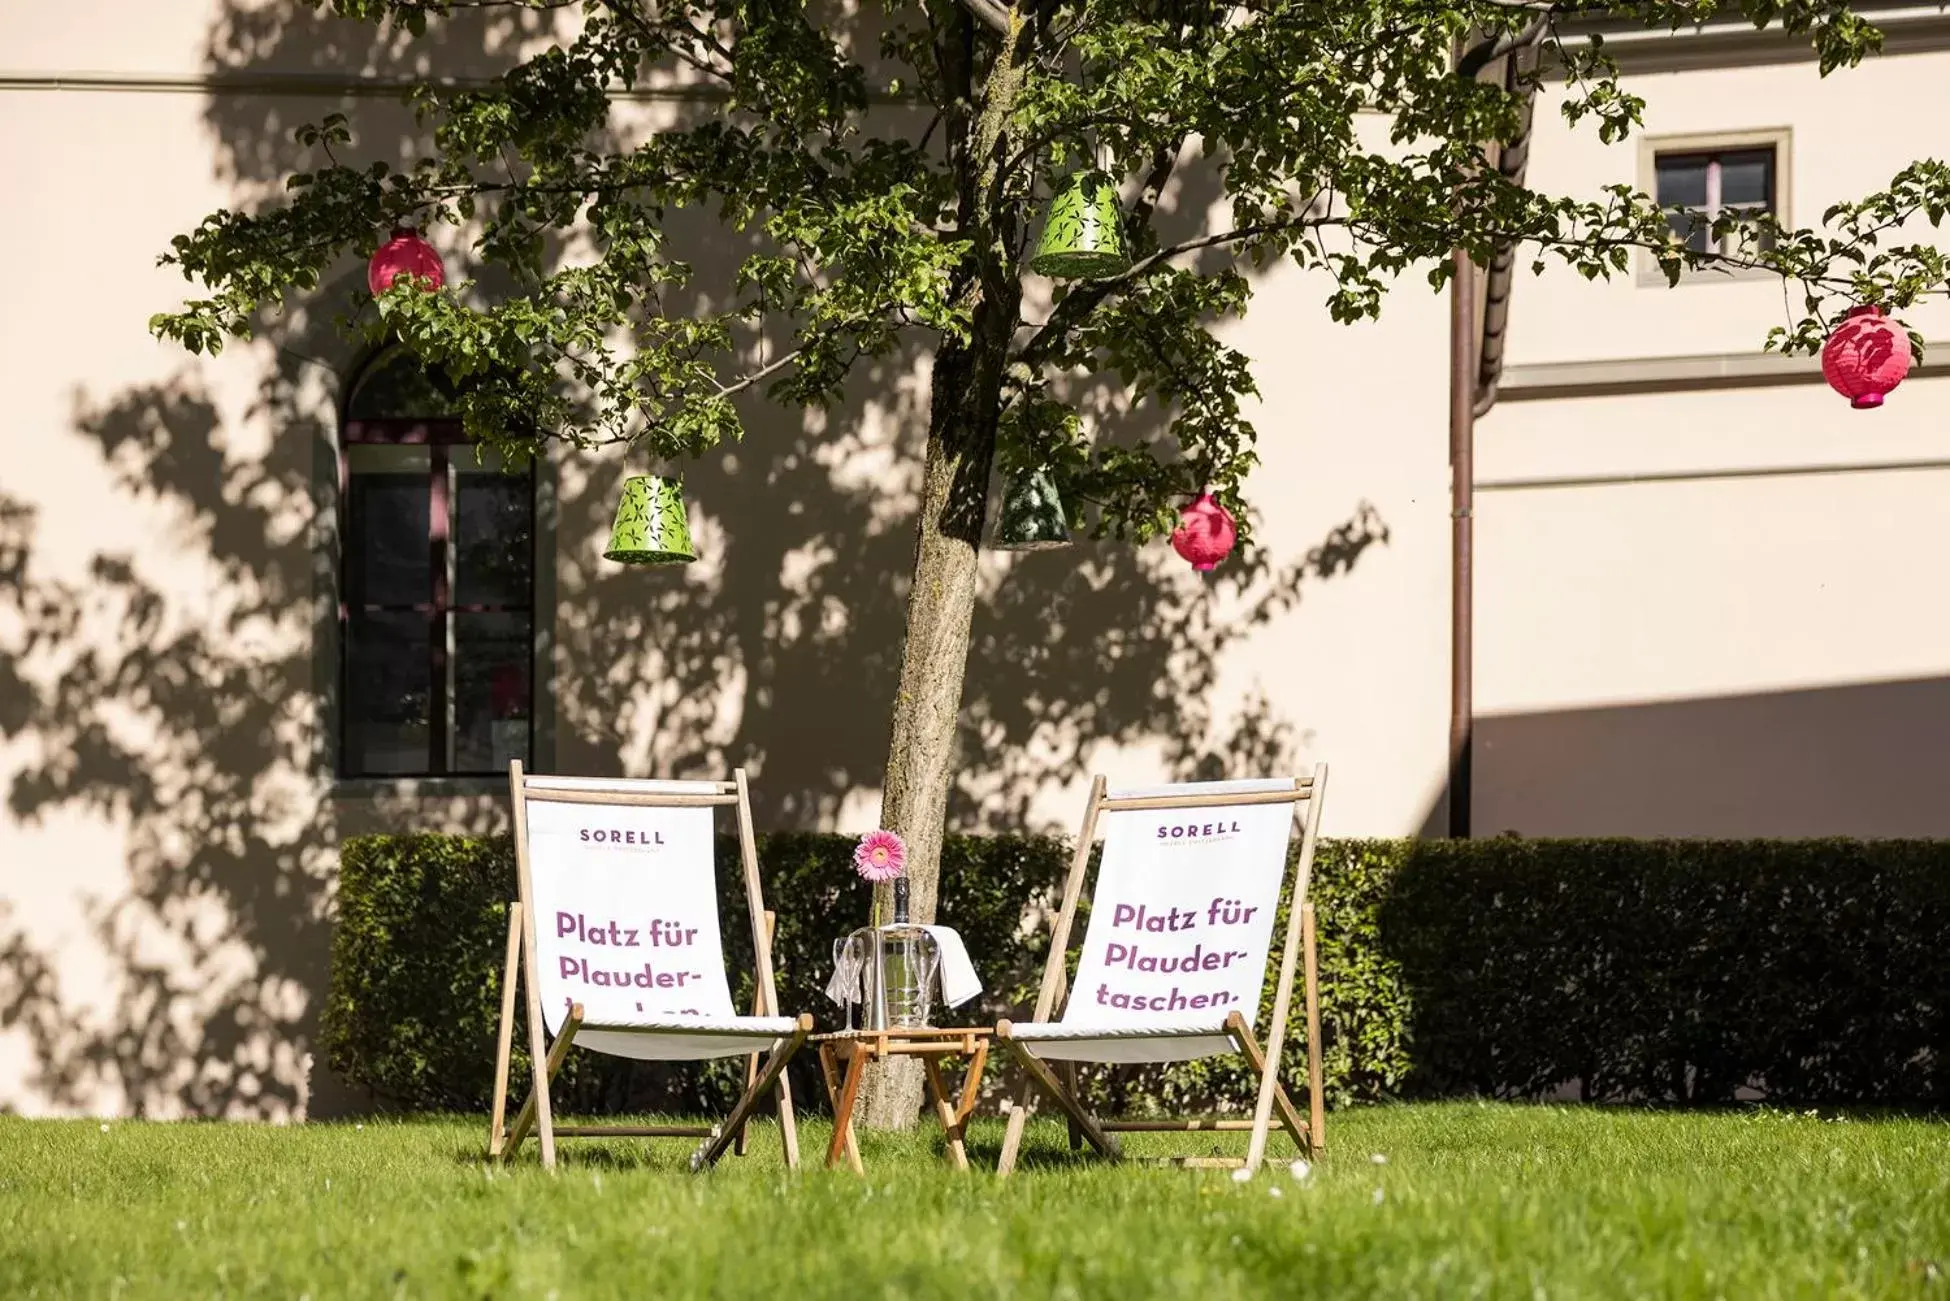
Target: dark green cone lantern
{"points": [[651, 528], [1083, 239], [1032, 516]]}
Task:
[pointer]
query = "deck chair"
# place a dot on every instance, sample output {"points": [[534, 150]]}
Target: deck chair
{"points": [[1174, 960], [615, 938]]}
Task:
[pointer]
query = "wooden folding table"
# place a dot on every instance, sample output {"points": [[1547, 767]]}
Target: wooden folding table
{"points": [[858, 1047]]}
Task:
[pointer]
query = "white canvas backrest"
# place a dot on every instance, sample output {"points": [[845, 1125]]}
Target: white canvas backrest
{"points": [[1182, 912], [624, 900]]}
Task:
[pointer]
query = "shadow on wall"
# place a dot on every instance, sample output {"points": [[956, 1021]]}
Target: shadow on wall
{"points": [[186, 715], [780, 649], [1864, 761]]}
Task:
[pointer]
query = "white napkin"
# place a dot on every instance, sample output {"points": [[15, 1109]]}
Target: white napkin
{"points": [[959, 983]]}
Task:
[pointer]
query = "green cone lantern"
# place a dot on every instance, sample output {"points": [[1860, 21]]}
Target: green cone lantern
{"points": [[1032, 516], [1083, 239], [651, 528]]}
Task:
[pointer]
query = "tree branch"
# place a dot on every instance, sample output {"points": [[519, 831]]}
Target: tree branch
{"points": [[1481, 55], [988, 13], [764, 372], [627, 13], [1082, 301], [1163, 160]]}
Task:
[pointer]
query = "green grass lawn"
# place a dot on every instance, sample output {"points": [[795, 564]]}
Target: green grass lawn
{"points": [[1471, 1200]]}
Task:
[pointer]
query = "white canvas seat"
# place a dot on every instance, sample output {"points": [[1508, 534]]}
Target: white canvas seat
{"points": [[1060, 1042], [1174, 959], [615, 938], [671, 1039]]}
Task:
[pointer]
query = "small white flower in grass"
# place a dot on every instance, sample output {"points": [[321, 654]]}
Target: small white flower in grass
{"points": [[1242, 1175], [1379, 1158], [1301, 1169], [1277, 1191], [104, 1127], [1379, 1196], [358, 1127]]}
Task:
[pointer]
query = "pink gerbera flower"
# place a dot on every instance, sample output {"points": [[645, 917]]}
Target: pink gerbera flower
{"points": [[880, 856]]}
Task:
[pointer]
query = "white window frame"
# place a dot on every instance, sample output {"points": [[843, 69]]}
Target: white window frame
{"points": [[1780, 139]]}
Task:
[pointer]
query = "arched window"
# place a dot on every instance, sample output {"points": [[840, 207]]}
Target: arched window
{"points": [[436, 585]]}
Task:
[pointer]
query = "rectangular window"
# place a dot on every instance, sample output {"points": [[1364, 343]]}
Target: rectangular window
{"points": [[1700, 179], [1697, 189], [437, 611]]}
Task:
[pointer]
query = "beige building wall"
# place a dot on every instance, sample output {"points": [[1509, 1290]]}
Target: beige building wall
{"points": [[1710, 607], [169, 834]]}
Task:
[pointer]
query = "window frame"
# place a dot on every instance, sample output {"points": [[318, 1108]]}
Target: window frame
{"points": [[1652, 148], [439, 435]]}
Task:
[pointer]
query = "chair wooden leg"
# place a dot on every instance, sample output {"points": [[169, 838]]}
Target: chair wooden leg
{"points": [[742, 1142], [1316, 1093], [727, 1132], [788, 1122], [504, 1046], [751, 1059], [1242, 1034], [1045, 1079], [1005, 1164], [1069, 1076], [531, 1109]]}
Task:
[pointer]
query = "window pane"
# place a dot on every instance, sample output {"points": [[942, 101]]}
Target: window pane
{"points": [[1688, 229], [389, 498], [1681, 180], [493, 536], [1747, 178], [493, 656], [396, 386], [387, 693]]}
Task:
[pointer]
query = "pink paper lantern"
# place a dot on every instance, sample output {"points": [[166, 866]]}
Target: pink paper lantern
{"points": [[1866, 357], [405, 254], [1205, 533]]}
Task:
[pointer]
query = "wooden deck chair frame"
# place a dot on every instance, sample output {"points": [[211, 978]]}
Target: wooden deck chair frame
{"points": [[523, 960], [1299, 946]]}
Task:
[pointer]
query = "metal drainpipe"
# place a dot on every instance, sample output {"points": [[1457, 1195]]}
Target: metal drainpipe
{"points": [[1462, 474]]}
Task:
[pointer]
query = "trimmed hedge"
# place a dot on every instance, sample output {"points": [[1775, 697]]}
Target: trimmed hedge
{"points": [[1682, 971]]}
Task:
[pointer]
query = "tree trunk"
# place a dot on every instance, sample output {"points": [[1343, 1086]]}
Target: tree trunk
{"points": [[964, 405], [921, 755]]}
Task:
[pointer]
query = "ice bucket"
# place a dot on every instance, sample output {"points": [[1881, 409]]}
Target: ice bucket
{"points": [[894, 970]]}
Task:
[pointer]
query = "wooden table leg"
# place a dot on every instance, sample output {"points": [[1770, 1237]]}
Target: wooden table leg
{"points": [[971, 1085], [829, 1071], [843, 1145], [945, 1112], [831, 1075]]}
